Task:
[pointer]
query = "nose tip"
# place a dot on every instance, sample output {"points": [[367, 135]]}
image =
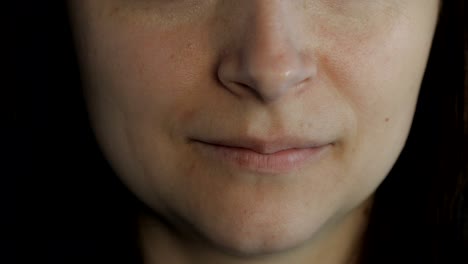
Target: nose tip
{"points": [[270, 60], [272, 76], [267, 76]]}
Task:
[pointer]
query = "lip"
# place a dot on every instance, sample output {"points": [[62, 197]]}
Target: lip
{"points": [[275, 157]]}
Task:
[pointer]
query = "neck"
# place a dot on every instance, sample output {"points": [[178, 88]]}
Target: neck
{"points": [[341, 244]]}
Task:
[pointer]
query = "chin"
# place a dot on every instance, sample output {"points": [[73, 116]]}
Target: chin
{"points": [[278, 229], [257, 244], [261, 234]]}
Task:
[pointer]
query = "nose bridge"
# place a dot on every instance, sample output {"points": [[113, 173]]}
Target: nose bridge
{"points": [[269, 37], [270, 62]]}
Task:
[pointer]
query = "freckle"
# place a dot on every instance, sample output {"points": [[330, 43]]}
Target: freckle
{"points": [[387, 119], [192, 167], [188, 115], [140, 68], [114, 11]]}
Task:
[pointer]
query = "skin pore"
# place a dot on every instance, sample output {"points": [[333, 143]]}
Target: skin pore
{"points": [[168, 81]]}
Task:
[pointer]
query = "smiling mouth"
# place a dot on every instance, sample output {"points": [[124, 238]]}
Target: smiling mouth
{"points": [[262, 158]]}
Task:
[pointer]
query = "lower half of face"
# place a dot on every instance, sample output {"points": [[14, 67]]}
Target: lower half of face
{"points": [[189, 116]]}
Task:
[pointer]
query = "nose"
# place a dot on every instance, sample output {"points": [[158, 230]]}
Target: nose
{"points": [[269, 61]]}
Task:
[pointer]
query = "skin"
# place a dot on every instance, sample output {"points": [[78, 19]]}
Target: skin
{"points": [[161, 73]]}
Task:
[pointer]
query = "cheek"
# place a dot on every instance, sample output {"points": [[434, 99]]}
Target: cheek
{"points": [[148, 74], [141, 83], [379, 75]]}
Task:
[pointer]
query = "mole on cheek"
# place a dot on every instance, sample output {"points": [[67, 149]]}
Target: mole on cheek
{"points": [[387, 120]]}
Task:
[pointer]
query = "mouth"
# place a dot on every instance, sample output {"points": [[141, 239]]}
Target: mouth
{"points": [[271, 157]]}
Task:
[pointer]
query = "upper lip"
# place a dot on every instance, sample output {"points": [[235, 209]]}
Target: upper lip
{"points": [[263, 146]]}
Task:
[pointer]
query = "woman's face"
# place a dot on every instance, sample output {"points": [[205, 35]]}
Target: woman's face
{"points": [[257, 123]]}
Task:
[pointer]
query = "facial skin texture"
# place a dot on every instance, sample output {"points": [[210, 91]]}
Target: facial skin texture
{"points": [[161, 74]]}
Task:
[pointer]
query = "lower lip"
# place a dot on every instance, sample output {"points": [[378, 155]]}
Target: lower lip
{"points": [[279, 162]]}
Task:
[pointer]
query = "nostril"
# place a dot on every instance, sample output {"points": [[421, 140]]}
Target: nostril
{"points": [[270, 61], [266, 80]]}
